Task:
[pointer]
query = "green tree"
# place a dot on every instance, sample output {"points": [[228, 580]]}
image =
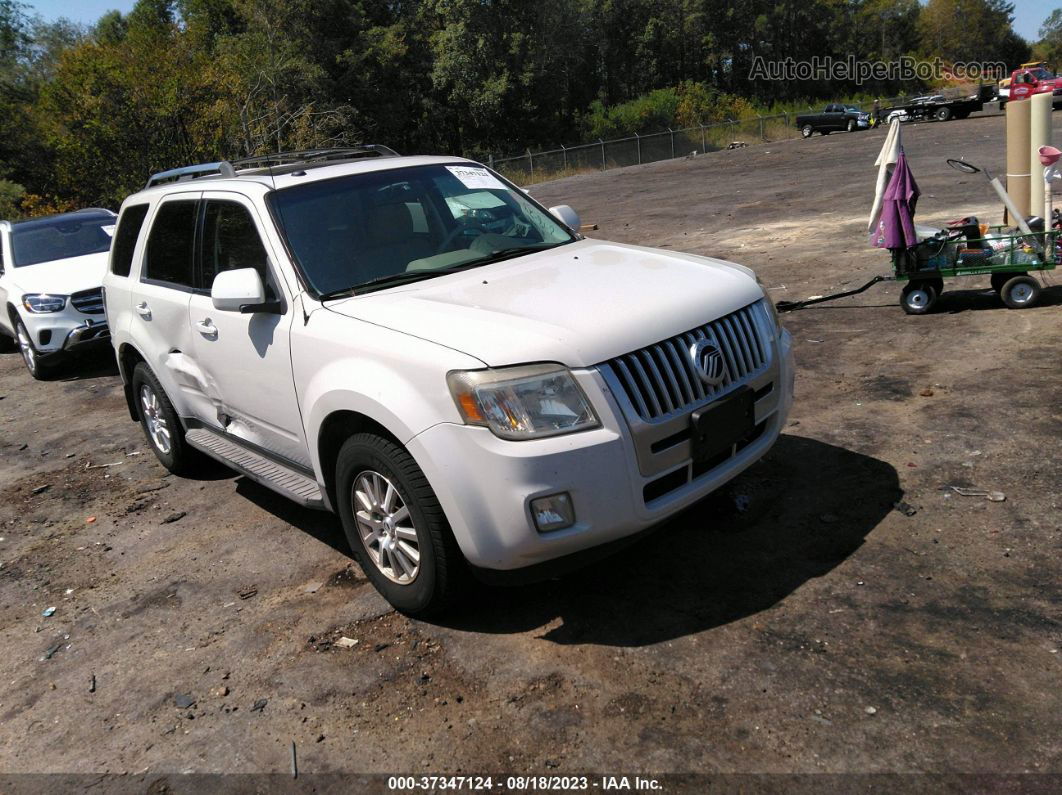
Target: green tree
{"points": [[1049, 48]]}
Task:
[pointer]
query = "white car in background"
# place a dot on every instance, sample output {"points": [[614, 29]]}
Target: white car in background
{"points": [[51, 272]]}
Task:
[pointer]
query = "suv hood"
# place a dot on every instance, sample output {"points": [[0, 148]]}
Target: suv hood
{"points": [[61, 276], [579, 304]]}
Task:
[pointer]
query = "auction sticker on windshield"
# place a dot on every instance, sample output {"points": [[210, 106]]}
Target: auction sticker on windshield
{"points": [[472, 177]]}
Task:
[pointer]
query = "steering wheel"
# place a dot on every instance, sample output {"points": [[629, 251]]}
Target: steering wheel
{"points": [[460, 229]]}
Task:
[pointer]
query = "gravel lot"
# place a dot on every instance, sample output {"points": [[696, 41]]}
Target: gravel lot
{"points": [[820, 630]]}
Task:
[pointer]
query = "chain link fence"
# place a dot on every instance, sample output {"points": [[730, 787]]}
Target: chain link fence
{"points": [[532, 167]]}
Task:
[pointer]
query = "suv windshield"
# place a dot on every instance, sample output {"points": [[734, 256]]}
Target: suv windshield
{"points": [[389, 227], [61, 237]]}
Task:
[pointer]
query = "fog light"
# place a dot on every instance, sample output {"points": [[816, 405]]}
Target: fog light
{"points": [[554, 512]]}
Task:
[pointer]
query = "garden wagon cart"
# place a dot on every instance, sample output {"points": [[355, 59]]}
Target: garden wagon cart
{"points": [[1006, 256]]}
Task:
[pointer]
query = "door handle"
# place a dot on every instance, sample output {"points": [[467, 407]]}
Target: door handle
{"points": [[207, 328], [143, 310]]}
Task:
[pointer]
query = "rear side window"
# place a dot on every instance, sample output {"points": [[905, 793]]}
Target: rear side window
{"points": [[171, 243], [125, 238]]}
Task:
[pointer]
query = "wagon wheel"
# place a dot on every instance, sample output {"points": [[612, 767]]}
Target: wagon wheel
{"points": [[1000, 278], [1020, 292], [918, 297]]}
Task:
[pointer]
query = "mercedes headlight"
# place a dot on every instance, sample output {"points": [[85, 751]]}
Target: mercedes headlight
{"points": [[526, 402], [41, 303]]}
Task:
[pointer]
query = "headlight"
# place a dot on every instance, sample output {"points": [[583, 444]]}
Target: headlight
{"points": [[40, 303], [772, 310], [525, 402]]}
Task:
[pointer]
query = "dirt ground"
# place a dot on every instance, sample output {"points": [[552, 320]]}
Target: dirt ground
{"points": [[820, 630]]}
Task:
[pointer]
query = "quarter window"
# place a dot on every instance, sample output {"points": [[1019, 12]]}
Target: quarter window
{"points": [[125, 238], [171, 243]]}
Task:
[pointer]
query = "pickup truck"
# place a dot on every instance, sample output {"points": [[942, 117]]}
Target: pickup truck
{"points": [[835, 117], [417, 345], [1026, 81]]}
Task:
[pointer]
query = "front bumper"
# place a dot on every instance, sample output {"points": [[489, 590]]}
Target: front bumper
{"points": [[66, 331], [86, 334], [485, 484]]}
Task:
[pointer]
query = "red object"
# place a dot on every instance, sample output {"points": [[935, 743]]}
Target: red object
{"points": [[1037, 80], [1048, 155]]}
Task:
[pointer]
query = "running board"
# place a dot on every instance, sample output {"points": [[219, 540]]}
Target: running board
{"points": [[291, 483]]}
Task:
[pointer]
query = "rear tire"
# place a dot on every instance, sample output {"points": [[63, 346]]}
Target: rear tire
{"points": [[162, 426], [807, 130], [396, 527], [1020, 292], [942, 114]]}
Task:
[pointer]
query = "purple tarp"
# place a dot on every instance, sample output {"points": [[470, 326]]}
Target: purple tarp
{"points": [[897, 213]]}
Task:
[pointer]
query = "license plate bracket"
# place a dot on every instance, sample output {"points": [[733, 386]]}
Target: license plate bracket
{"points": [[722, 423]]}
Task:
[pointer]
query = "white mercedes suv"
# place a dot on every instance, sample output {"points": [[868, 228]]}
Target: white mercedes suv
{"points": [[51, 270], [417, 345]]}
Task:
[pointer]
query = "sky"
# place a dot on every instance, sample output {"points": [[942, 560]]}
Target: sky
{"points": [[1028, 14]]}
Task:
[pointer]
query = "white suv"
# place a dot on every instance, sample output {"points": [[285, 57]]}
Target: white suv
{"points": [[51, 270], [415, 344]]}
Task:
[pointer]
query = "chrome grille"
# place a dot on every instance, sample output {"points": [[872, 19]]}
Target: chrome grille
{"points": [[88, 301], [660, 380]]}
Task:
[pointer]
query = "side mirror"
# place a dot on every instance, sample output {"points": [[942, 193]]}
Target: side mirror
{"points": [[567, 216], [234, 290]]}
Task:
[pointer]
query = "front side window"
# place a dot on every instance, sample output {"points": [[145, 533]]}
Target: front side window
{"points": [[61, 237], [370, 230], [231, 242], [171, 243]]}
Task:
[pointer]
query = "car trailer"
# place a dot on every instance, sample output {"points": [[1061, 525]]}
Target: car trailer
{"points": [[938, 110]]}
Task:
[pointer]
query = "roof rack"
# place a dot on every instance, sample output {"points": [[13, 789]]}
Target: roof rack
{"points": [[220, 169], [228, 169], [313, 156]]}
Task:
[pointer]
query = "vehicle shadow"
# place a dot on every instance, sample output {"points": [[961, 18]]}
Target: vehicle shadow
{"points": [[955, 301], [88, 365], [794, 516], [809, 506], [322, 525]]}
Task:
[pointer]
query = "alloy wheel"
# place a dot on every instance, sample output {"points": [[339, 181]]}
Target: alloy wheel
{"points": [[386, 527], [157, 427], [29, 356]]}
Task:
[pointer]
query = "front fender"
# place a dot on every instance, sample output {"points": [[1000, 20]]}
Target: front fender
{"points": [[394, 379]]}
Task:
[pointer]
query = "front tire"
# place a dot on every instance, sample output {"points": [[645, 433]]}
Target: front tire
{"points": [[161, 425], [918, 298], [396, 527], [40, 368], [851, 125]]}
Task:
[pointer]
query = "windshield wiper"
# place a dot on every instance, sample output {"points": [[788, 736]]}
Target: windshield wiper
{"points": [[403, 277]]}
